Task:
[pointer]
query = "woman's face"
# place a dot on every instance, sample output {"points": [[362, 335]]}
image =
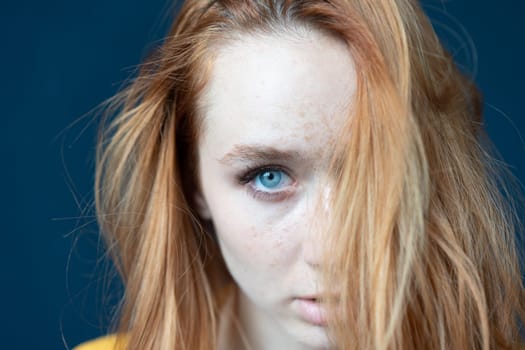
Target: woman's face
{"points": [[273, 108]]}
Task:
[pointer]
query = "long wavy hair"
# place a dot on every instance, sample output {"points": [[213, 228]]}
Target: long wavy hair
{"points": [[422, 242]]}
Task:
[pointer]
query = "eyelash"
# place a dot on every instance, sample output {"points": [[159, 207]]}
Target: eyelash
{"points": [[251, 173]]}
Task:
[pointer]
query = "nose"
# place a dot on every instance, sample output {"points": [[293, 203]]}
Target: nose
{"points": [[318, 215], [312, 253]]}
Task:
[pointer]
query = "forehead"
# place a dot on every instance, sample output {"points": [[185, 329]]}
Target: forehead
{"points": [[278, 90]]}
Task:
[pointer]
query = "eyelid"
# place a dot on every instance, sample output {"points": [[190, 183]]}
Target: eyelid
{"points": [[270, 196]]}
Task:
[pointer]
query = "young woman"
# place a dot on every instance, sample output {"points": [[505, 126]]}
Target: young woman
{"points": [[305, 175]]}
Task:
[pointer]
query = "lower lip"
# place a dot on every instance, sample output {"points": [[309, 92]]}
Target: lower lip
{"points": [[311, 311]]}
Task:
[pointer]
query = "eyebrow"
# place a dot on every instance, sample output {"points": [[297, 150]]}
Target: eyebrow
{"points": [[259, 153]]}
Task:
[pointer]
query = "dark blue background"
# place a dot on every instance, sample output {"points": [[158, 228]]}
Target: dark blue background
{"points": [[60, 59]]}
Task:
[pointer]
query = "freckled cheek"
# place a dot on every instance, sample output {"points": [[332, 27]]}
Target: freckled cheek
{"points": [[249, 240]]}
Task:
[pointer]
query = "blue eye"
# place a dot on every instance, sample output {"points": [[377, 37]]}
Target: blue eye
{"points": [[268, 183], [269, 179]]}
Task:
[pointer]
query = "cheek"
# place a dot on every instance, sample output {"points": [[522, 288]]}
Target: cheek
{"points": [[258, 240], [257, 255], [252, 240], [252, 233]]}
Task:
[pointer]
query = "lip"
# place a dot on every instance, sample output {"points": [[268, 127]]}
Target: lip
{"points": [[310, 310]]}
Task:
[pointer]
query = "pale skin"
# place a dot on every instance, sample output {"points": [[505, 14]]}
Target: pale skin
{"points": [[274, 103]]}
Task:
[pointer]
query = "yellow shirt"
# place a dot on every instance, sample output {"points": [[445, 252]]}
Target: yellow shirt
{"points": [[103, 343]]}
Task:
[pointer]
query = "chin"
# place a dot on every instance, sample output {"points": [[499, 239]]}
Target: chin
{"points": [[312, 337]]}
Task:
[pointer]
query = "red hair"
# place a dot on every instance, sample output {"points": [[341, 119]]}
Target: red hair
{"points": [[424, 248]]}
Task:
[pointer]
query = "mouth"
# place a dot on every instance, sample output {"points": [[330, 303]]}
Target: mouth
{"points": [[310, 310], [320, 298]]}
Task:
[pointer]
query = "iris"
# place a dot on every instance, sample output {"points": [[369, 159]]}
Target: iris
{"points": [[269, 179]]}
